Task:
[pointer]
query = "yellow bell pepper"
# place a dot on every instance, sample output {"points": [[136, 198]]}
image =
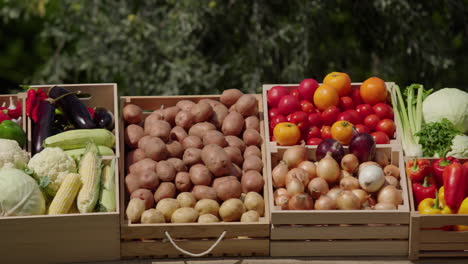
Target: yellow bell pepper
{"points": [[463, 210], [442, 197], [432, 206]]}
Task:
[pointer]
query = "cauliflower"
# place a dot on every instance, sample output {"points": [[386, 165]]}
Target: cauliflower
{"points": [[459, 147], [11, 154], [50, 166]]}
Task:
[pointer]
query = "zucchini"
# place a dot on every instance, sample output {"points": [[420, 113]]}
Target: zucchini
{"points": [[79, 138], [102, 151]]}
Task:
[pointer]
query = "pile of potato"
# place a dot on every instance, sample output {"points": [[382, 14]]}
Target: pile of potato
{"points": [[195, 162]]}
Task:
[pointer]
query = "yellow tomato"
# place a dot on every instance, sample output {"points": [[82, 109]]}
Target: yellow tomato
{"points": [[286, 134], [325, 96], [340, 81], [342, 131]]}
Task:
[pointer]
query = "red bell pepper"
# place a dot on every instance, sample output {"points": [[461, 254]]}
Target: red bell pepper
{"points": [[418, 169], [34, 97], [455, 185], [439, 166], [425, 190], [15, 113], [4, 116]]}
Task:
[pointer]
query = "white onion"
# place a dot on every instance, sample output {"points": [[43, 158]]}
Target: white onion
{"points": [[371, 178]]}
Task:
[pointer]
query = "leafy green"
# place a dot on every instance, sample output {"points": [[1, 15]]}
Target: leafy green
{"points": [[436, 137]]}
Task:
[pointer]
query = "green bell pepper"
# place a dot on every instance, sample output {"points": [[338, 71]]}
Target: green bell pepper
{"points": [[11, 130]]}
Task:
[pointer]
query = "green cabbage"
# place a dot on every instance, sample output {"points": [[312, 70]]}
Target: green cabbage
{"points": [[450, 103], [19, 194], [459, 147]]}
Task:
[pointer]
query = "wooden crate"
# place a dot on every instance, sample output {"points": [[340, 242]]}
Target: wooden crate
{"points": [[339, 232], [5, 98], [266, 87], [435, 243], [241, 239], [71, 237]]}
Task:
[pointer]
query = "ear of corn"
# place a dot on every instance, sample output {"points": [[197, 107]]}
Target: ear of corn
{"points": [[77, 153], [79, 138], [90, 172], [107, 194], [66, 194]]}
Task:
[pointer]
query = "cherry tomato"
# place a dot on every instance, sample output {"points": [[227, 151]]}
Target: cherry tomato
{"points": [[314, 132], [314, 141], [351, 116], [361, 129], [307, 107], [273, 112], [380, 138], [387, 126], [342, 131], [295, 93], [325, 132], [330, 115], [300, 119], [371, 122], [286, 134], [315, 119], [364, 110], [276, 120], [383, 111], [274, 95], [346, 103], [356, 95]]}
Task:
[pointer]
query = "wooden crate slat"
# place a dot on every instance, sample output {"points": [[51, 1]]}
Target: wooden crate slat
{"points": [[431, 221], [346, 248], [340, 217], [434, 254], [444, 246], [246, 247], [440, 236], [339, 232]]}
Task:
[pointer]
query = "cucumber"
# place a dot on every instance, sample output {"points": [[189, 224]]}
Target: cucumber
{"points": [[102, 151], [79, 138]]}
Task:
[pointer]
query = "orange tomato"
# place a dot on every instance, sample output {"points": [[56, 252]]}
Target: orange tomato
{"points": [[286, 134], [325, 96], [342, 131], [340, 81], [373, 91]]}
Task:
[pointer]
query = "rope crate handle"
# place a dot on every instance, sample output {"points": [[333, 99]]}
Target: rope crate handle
{"points": [[195, 254]]}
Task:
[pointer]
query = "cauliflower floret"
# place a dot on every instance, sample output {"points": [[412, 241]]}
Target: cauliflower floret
{"points": [[11, 154], [50, 166]]}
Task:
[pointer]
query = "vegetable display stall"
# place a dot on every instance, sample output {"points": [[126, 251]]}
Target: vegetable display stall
{"points": [[145, 231], [64, 233]]}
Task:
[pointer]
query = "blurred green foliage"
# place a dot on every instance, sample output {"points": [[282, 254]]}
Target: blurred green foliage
{"points": [[202, 47]]}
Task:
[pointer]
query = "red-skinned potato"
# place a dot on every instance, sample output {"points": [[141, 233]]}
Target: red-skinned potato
{"points": [[178, 164], [216, 159], [132, 183], [230, 96], [235, 171], [170, 113], [201, 112], [246, 105], [166, 171], [182, 182], [132, 114], [145, 195], [192, 142], [184, 119], [229, 189], [252, 122], [142, 166], [185, 105], [252, 162], [235, 155], [219, 114], [252, 181], [158, 128], [204, 192], [178, 133], [175, 149], [200, 129], [234, 141], [214, 137], [233, 124], [211, 102], [153, 147], [252, 137], [252, 150], [219, 180], [165, 190], [133, 157], [132, 134], [192, 156], [200, 175]]}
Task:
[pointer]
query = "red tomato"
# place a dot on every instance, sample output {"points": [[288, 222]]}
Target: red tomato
{"points": [[356, 95], [274, 95], [325, 132], [273, 112], [314, 141], [380, 138], [346, 103], [295, 93], [315, 119], [307, 106], [364, 110], [276, 120], [307, 89], [361, 128], [300, 119], [387, 126], [371, 122], [288, 104], [383, 110], [330, 115], [314, 132], [351, 116]]}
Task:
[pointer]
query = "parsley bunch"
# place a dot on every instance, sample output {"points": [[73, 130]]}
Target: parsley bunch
{"points": [[436, 137]]}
